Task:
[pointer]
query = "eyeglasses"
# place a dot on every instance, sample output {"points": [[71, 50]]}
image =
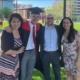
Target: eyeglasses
{"points": [[50, 18]]}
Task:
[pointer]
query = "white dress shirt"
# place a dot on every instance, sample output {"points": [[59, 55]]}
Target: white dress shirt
{"points": [[30, 44]]}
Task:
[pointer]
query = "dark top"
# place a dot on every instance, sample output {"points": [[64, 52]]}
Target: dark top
{"points": [[7, 41]]}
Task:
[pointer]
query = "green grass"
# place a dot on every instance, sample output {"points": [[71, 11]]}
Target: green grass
{"points": [[39, 76], [5, 24], [77, 26]]}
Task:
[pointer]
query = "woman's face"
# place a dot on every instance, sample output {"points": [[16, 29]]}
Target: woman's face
{"points": [[66, 24], [15, 23]]}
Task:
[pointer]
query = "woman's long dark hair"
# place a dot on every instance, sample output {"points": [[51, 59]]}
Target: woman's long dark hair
{"points": [[72, 31]]}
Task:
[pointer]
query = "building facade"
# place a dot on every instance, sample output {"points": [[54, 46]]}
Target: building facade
{"points": [[73, 9], [7, 3], [0, 4], [22, 10], [76, 11]]}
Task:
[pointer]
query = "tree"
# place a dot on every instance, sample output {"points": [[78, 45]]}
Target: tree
{"points": [[56, 10], [1, 13], [7, 12]]}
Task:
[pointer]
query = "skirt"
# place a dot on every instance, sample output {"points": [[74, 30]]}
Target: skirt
{"points": [[9, 67]]}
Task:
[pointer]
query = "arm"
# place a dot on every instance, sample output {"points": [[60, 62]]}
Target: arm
{"points": [[12, 52], [78, 57], [8, 29], [78, 54], [7, 46]]}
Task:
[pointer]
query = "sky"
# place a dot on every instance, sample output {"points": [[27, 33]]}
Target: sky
{"points": [[39, 3]]}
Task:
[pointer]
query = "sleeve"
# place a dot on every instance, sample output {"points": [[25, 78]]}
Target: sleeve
{"points": [[78, 37], [5, 41], [21, 33], [62, 39]]}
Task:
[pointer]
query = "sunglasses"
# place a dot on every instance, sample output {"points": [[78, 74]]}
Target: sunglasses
{"points": [[50, 18]]}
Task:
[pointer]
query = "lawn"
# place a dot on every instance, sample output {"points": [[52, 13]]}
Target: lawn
{"points": [[5, 24], [38, 75], [77, 26]]}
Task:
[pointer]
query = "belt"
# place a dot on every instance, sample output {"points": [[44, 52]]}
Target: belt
{"points": [[50, 51], [29, 50]]}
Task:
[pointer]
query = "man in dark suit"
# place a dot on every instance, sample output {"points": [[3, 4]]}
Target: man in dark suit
{"points": [[50, 48]]}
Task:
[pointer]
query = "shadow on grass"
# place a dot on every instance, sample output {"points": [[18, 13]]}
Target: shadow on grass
{"points": [[39, 76]]}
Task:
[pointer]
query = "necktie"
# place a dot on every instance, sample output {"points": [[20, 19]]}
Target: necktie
{"points": [[34, 37]]}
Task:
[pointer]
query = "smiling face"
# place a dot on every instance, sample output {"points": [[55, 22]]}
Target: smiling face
{"points": [[50, 20], [15, 23], [35, 18], [66, 24]]}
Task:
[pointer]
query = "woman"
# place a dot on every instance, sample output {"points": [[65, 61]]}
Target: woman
{"points": [[11, 44], [70, 39]]}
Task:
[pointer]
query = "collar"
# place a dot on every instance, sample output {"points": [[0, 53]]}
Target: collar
{"points": [[31, 24], [46, 26]]}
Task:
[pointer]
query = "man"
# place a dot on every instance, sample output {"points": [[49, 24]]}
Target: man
{"points": [[50, 48], [30, 34]]}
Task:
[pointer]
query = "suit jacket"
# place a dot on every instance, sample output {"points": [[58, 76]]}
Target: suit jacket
{"points": [[41, 39]]}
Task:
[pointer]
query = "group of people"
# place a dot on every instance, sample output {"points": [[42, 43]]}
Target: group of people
{"points": [[22, 42]]}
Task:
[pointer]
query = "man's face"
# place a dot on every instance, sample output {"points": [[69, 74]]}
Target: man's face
{"points": [[50, 20], [35, 18]]}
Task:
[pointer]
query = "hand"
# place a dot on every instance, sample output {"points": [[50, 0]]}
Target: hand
{"points": [[8, 29], [21, 50]]}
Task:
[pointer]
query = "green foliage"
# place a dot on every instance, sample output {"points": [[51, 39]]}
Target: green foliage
{"points": [[7, 12], [1, 13], [56, 10]]}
